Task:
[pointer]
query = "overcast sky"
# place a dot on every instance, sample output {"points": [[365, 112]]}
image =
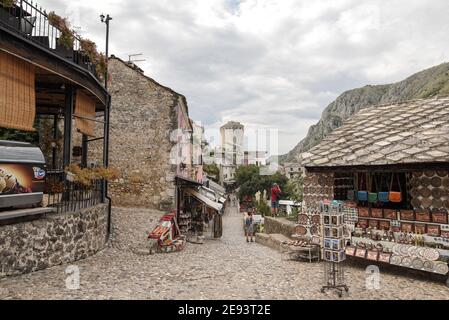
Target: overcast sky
{"points": [[267, 63]]}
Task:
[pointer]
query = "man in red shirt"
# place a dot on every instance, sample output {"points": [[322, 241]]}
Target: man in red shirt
{"points": [[275, 192]]}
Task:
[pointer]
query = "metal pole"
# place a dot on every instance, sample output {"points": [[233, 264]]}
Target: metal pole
{"points": [[85, 150], [106, 127], [106, 76], [55, 136], [68, 109]]}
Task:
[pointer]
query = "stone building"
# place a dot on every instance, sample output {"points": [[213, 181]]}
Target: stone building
{"points": [[150, 138], [291, 170], [232, 150]]}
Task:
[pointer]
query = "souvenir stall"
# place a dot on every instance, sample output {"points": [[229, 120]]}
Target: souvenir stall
{"points": [[199, 213], [392, 178]]}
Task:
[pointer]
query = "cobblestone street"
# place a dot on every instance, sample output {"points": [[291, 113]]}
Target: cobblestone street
{"points": [[228, 268]]}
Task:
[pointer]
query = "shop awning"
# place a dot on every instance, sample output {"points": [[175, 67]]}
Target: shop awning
{"points": [[85, 114], [183, 181], [210, 203], [17, 93]]}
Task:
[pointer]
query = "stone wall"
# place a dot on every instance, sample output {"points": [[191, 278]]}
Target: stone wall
{"points": [[279, 226], [143, 116], [53, 240]]}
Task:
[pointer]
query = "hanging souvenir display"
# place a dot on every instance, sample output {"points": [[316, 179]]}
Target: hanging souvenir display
{"points": [[395, 196]]}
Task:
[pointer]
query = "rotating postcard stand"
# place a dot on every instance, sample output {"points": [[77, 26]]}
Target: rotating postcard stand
{"points": [[334, 247]]}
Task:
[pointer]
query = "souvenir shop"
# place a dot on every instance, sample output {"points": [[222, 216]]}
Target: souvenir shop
{"points": [[199, 211], [395, 205]]}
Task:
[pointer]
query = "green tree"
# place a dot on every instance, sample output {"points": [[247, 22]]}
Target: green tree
{"points": [[212, 170], [294, 188], [250, 181]]}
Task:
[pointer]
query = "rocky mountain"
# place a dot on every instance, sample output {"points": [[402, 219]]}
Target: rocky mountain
{"points": [[425, 84]]}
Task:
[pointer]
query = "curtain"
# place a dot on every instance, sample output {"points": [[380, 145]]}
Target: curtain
{"points": [[17, 93], [85, 108]]}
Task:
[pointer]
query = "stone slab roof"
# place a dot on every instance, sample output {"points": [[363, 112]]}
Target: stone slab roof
{"points": [[408, 132]]}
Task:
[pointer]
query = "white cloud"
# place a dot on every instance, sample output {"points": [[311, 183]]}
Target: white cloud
{"points": [[269, 63]]}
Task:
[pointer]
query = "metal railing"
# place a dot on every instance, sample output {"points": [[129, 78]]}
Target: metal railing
{"points": [[30, 21], [68, 196]]}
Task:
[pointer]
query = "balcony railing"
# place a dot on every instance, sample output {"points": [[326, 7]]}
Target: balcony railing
{"points": [[67, 196], [31, 22]]}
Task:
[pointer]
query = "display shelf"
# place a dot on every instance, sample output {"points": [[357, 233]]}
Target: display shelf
{"points": [[405, 221], [389, 244]]}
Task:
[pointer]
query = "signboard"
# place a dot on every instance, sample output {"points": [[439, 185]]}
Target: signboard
{"points": [[21, 178]]}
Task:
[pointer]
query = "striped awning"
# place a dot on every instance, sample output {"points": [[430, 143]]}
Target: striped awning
{"points": [[17, 93], [85, 114]]}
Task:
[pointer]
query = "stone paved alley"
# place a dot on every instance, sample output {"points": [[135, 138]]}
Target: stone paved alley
{"points": [[220, 269]]}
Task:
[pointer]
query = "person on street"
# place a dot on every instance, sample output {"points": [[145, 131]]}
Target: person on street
{"points": [[249, 227], [275, 194]]}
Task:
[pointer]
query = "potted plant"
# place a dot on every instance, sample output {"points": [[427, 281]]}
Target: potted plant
{"points": [[6, 15], [8, 3], [102, 66], [64, 44], [86, 176]]}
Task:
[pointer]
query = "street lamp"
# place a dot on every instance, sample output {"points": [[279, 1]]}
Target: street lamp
{"points": [[106, 19]]}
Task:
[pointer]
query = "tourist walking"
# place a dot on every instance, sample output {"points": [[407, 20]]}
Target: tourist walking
{"points": [[275, 194], [249, 227]]}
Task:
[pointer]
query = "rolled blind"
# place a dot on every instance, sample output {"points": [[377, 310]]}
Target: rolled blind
{"points": [[17, 93], [85, 108]]}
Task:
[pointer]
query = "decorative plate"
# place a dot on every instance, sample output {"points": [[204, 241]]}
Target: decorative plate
{"points": [[441, 268], [396, 260], [436, 182], [428, 265], [406, 262], [396, 249], [403, 250], [301, 230], [413, 251], [314, 230], [418, 263], [431, 254], [303, 219], [316, 219], [421, 253]]}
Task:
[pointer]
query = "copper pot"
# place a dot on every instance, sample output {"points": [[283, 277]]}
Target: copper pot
{"points": [[445, 182], [425, 192], [436, 182], [437, 193], [437, 203], [426, 203], [442, 173], [429, 173], [417, 174]]}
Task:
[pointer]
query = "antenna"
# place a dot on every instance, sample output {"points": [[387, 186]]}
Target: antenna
{"points": [[130, 60]]}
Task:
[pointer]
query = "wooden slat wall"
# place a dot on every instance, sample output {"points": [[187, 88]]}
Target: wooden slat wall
{"points": [[85, 107], [17, 93]]}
